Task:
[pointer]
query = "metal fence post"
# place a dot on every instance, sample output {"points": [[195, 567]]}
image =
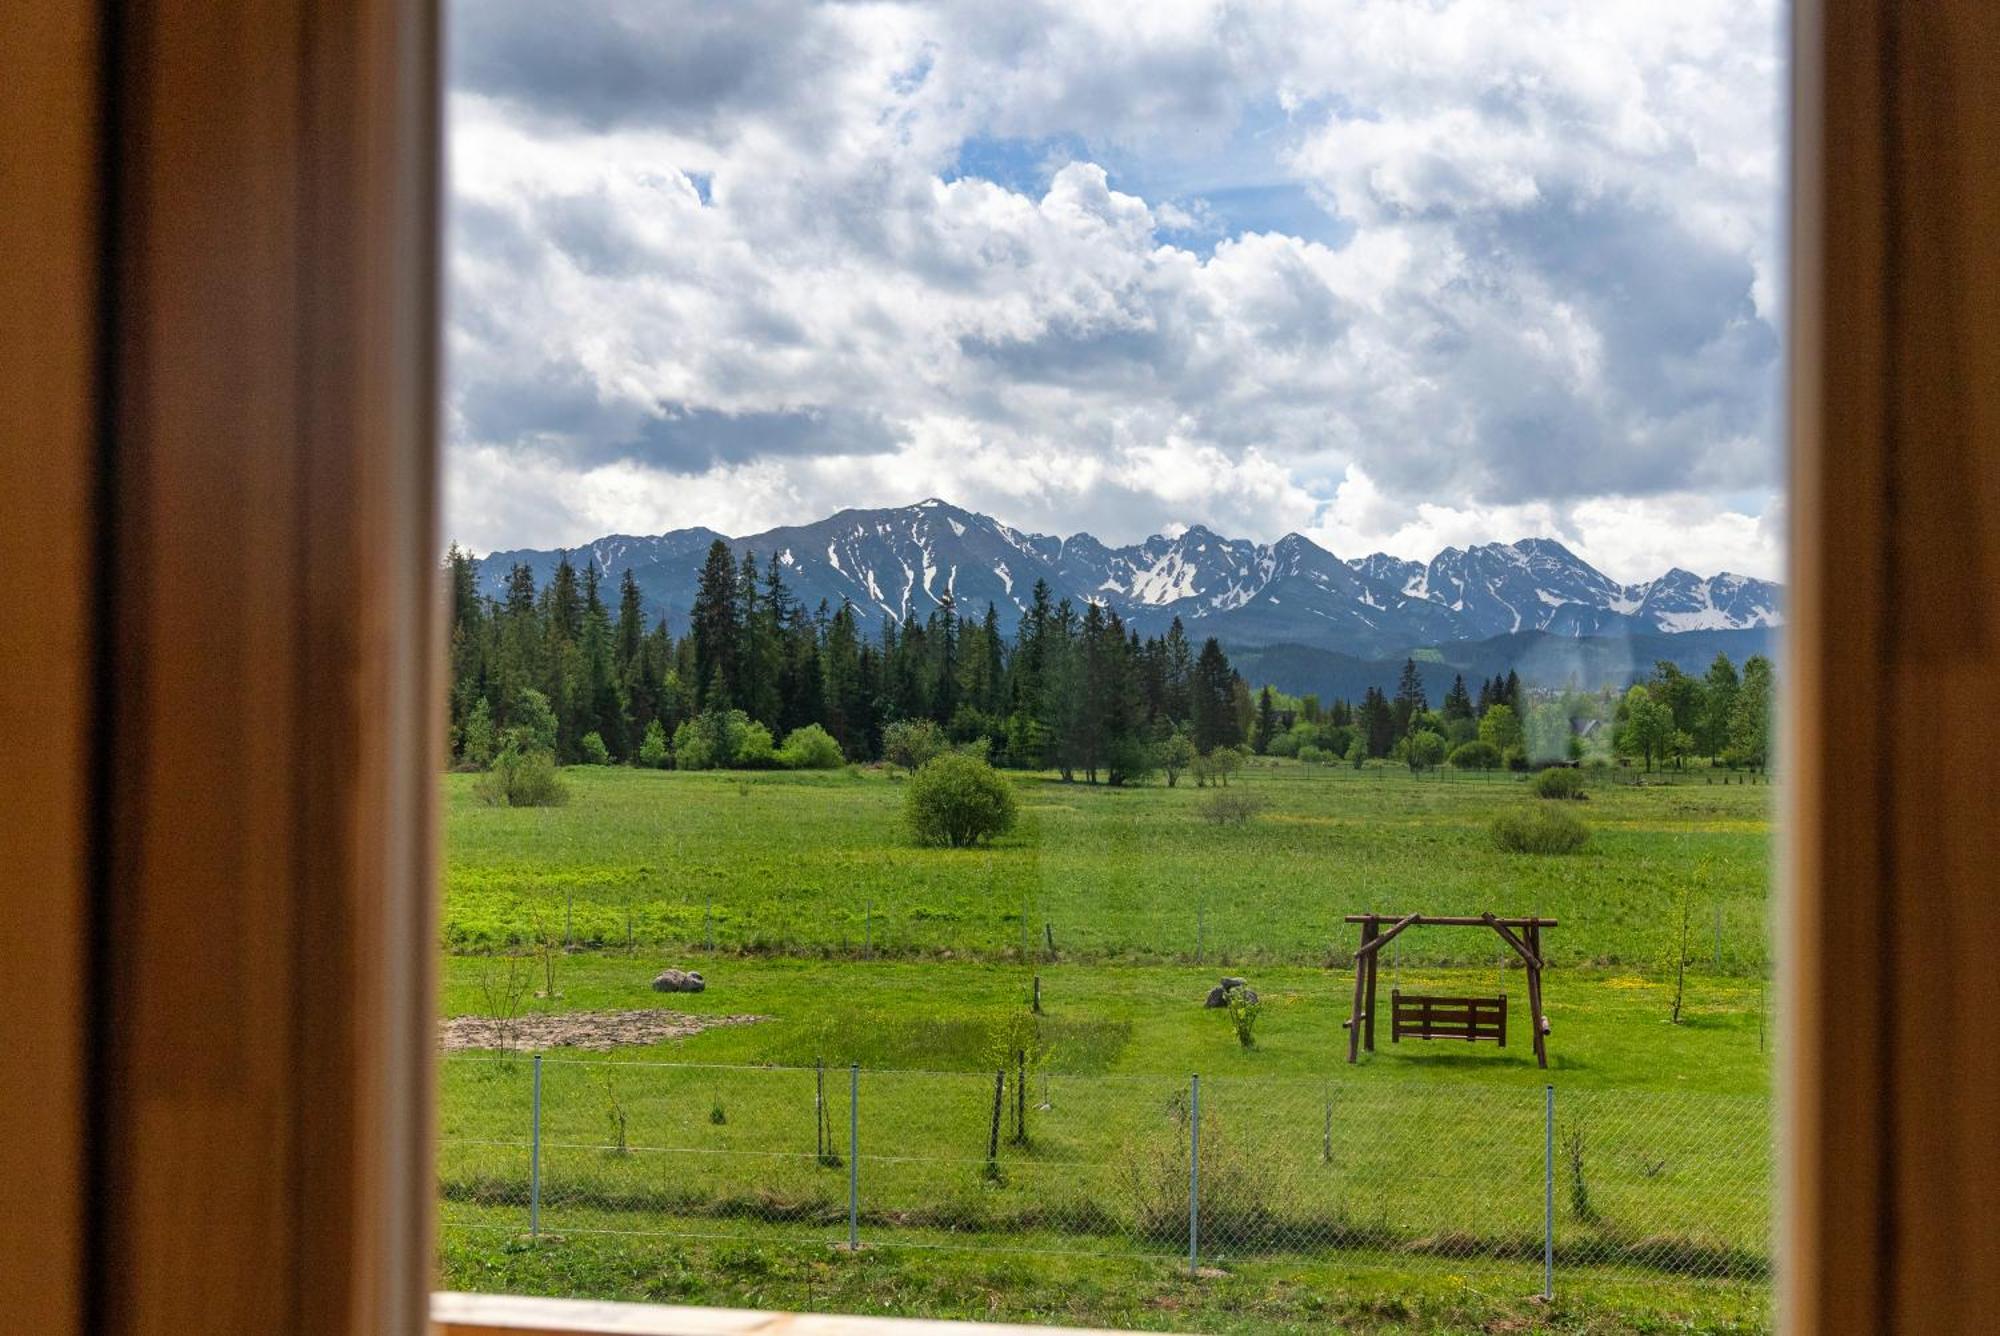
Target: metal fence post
{"points": [[1548, 1191], [854, 1157], [535, 1157], [1194, 1174]]}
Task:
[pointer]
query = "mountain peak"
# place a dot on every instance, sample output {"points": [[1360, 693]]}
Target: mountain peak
{"points": [[905, 561]]}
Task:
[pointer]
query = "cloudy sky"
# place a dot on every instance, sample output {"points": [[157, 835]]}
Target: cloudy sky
{"points": [[1392, 273]]}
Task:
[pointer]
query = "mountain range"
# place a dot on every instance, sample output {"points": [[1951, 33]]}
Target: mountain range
{"points": [[902, 561]]}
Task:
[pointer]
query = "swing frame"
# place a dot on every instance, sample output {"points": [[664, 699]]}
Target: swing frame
{"points": [[1524, 935]]}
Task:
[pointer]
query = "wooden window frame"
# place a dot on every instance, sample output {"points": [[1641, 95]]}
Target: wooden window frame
{"points": [[219, 320]]}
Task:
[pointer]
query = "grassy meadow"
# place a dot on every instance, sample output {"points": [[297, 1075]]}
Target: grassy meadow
{"points": [[812, 864], [1403, 1193]]}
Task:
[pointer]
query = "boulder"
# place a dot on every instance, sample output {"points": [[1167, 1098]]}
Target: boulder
{"points": [[678, 981], [1218, 996]]}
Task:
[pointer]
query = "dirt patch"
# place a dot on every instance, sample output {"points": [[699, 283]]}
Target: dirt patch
{"points": [[598, 1030]]}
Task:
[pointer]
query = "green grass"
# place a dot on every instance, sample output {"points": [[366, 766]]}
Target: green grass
{"points": [[804, 864], [1403, 1193]]}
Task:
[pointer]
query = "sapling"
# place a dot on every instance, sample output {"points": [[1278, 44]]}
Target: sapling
{"points": [[614, 1113], [1680, 946], [1243, 1010], [1579, 1186]]}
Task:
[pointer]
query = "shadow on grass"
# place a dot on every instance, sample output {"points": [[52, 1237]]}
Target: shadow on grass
{"points": [[1242, 1230]]}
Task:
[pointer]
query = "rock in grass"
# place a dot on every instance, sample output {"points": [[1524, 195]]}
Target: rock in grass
{"points": [[1218, 996], [678, 981]]}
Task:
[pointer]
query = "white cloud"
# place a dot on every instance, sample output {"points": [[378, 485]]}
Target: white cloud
{"points": [[718, 266]]}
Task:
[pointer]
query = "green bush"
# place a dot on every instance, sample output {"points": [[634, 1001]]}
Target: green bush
{"points": [[1243, 1012], [911, 743], [1421, 750], [522, 779], [593, 749], [1228, 807], [1560, 782], [653, 751], [810, 748], [754, 748], [1539, 829], [477, 739], [1475, 756], [722, 740], [531, 726], [958, 801]]}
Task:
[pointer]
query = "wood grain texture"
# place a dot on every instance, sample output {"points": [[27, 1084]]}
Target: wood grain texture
{"points": [[264, 1066], [48, 327], [1892, 920]]}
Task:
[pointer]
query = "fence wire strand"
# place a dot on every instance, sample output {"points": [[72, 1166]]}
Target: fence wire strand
{"points": [[1661, 1184]]}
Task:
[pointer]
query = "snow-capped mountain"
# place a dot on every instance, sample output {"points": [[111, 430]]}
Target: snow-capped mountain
{"points": [[902, 561]]}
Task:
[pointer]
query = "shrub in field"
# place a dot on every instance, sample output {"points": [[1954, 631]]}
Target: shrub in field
{"points": [[1231, 807], [531, 727], [1236, 1189], [593, 749], [1539, 829], [958, 801], [1421, 750], [1310, 755], [522, 779], [1243, 1010], [911, 743], [1216, 766], [810, 748], [722, 740], [755, 749], [653, 751], [1561, 782], [1175, 754], [1474, 756], [477, 740]]}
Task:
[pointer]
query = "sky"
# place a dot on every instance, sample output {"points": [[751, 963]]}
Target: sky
{"points": [[1392, 274]]}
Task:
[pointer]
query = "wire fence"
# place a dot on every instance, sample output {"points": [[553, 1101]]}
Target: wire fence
{"points": [[1208, 1172]]}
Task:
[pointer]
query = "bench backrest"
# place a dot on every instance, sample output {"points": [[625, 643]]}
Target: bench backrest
{"points": [[1423, 1016]]}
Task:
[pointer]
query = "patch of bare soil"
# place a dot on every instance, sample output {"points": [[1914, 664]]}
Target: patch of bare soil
{"points": [[600, 1030]]}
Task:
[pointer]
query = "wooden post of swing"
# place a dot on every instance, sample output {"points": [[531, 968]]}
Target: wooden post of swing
{"points": [[1369, 934], [1355, 1021], [1536, 1021]]}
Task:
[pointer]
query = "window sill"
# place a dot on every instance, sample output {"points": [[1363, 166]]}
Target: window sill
{"points": [[491, 1314]]}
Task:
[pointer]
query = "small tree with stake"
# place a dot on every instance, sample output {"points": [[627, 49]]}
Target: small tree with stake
{"points": [[1680, 947]]}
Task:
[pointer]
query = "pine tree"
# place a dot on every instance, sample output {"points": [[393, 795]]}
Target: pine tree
{"points": [[716, 629], [1457, 703], [1179, 674], [1377, 722], [1267, 722], [1720, 685], [1212, 700], [945, 667], [1410, 699], [993, 698]]}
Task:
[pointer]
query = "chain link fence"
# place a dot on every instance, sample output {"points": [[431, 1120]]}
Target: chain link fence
{"points": [[1022, 1159]]}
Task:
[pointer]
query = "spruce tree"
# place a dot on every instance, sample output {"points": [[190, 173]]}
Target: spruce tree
{"points": [[1410, 698], [1267, 722], [716, 629], [1457, 702]]}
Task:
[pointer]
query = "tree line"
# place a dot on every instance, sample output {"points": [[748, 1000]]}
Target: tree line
{"points": [[759, 679], [1666, 720]]}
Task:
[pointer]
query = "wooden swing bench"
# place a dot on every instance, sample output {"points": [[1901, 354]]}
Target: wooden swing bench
{"points": [[1471, 1020]]}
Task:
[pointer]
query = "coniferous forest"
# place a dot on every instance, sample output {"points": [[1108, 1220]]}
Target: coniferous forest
{"points": [[756, 678]]}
